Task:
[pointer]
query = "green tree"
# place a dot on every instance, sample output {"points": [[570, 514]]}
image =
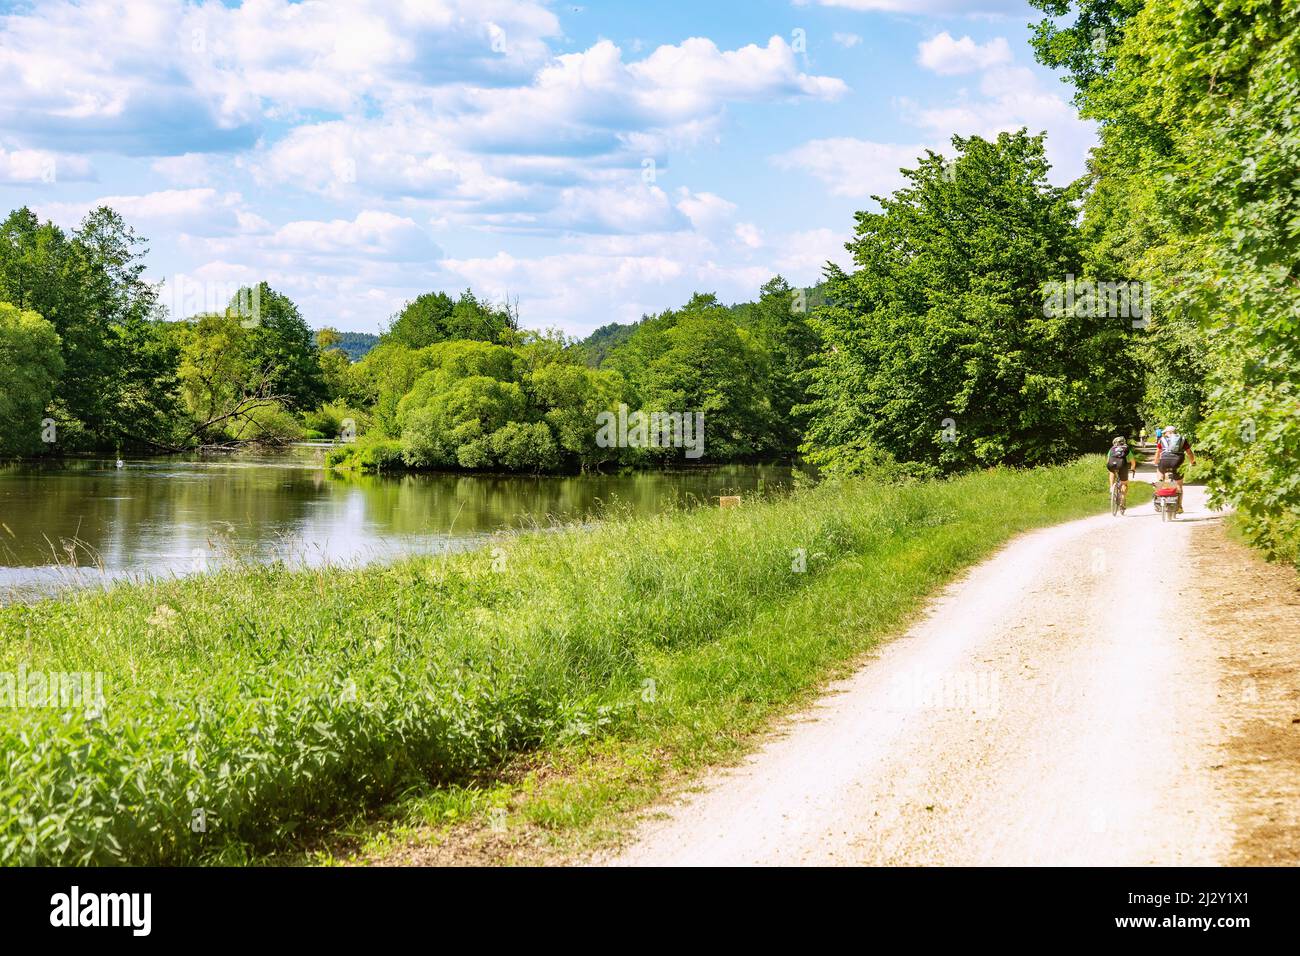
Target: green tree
{"points": [[435, 317], [712, 367], [119, 358], [569, 398], [31, 364], [699, 359], [334, 365], [523, 446], [781, 321], [282, 345], [227, 386], [938, 348], [1194, 186], [451, 422]]}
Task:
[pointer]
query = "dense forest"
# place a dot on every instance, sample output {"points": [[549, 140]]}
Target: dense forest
{"points": [[1193, 189], [937, 351]]}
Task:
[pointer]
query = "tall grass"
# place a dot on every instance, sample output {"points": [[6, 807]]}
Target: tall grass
{"points": [[245, 705]]}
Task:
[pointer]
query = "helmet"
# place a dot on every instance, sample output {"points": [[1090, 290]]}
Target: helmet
{"points": [[1171, 429], [1120, 440]]}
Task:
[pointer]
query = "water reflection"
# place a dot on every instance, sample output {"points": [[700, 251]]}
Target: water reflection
{"points": [[87, 521]]}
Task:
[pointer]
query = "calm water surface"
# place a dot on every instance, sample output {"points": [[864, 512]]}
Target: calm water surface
{"points": [[87, 521]]}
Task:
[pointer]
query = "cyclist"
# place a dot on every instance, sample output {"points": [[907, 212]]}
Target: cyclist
{"points": [[1118, 463], [1171, 450]]}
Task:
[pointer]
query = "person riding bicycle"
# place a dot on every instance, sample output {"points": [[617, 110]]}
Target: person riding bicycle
{"points": [[1171, 451], [1118, 462]]}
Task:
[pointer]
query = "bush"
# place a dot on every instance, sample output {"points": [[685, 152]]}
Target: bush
{"points": [[267, 423], [329, 420], [521, 447], [30, 366], [438, 422], [369, 455]]}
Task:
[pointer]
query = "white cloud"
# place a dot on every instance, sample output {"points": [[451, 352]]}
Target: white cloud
{"points": [[634, 209], [205, 207], [1008, 97], [153, 76], [357, 298], [29, 166], [852, 167], [188, 169], [706, 211], [563, 152], [368, 126], [947, 56], [403, 154], [370, 233], [748, 234], [1011, 97], [592, 280], [696, 75], [593, 103], [577, 290]]}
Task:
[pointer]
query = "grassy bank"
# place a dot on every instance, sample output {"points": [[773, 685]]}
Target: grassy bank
{"points": [[242, 708]]}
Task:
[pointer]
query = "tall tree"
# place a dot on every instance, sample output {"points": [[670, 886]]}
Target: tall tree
{"points": [[118, 380], [435, 317], [283, 346], [334, 364], [939, 348], [790, 343], [1196, 188]]}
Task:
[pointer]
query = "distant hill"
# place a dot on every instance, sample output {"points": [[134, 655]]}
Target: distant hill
{"points": [[357, 344], [606, 338]]}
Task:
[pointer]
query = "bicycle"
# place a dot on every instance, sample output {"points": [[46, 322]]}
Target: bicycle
{"points": [[1116, 499], [1168, 500]]}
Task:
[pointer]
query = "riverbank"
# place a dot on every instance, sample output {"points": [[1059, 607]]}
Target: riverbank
{"points": [[88, 522], [249, 710]]}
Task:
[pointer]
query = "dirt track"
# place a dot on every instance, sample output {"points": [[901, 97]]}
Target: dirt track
{"points": [[1108, 691]]}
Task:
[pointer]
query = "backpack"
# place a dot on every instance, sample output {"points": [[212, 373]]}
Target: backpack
{"points": [[1115, 460], [1171, 446]]}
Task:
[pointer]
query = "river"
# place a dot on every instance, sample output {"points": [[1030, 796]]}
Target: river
{"points": [[87, 521]]}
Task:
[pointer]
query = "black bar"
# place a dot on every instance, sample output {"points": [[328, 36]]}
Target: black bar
{"points": [[382, 907]]}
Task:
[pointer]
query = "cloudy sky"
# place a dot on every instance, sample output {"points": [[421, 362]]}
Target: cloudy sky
{"points": [[594, 160]]}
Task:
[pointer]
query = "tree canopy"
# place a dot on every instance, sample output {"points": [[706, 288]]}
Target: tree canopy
{"points": [[1194, 190], [938, 348]]}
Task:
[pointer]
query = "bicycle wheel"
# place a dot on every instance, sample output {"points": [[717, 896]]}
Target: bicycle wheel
{"points": [[1114, 499]]}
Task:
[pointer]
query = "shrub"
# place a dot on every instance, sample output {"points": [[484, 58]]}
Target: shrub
{"points": [[369, 454], [268, 423], [521, 447]]}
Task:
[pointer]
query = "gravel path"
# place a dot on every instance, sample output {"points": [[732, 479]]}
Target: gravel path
{"points": [[1059, 705]]}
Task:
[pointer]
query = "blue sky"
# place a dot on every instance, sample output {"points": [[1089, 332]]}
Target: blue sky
{"points": [[594, 161]]}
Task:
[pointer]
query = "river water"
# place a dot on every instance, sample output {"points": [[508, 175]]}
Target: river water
{"points": [[87, 521]]}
